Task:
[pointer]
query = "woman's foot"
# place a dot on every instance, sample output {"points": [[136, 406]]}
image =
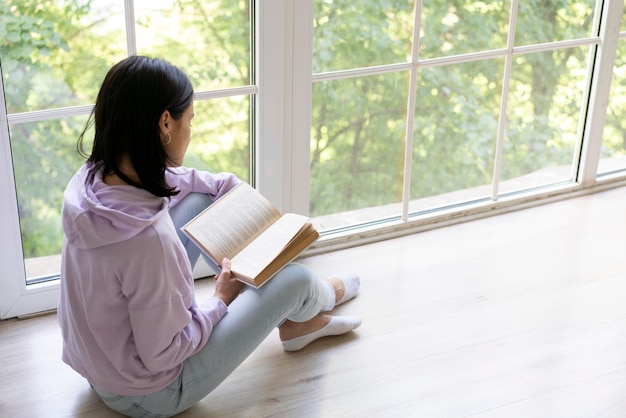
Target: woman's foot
{"points": [[346, 286], [297, 335]]}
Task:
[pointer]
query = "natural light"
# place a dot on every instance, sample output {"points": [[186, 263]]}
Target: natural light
{"points": [[376, 119]]}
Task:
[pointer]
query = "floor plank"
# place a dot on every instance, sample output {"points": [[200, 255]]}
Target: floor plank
{"points": [[517, 315]]}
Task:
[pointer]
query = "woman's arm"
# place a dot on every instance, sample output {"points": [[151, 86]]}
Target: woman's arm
{"points": [[189, 180]]}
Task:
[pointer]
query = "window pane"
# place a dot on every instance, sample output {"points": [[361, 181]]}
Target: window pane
{"points": [[463, 27], [456, 125], [613, 156], [209, 40], [548, 21], [351, 34], [220, 138], [57, 55], [542, 119], [357, 147], [44, 159]]}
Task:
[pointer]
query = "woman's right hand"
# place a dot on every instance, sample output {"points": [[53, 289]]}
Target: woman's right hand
{"points": [[227, 287]]}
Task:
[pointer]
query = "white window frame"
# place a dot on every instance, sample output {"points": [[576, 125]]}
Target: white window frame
{"points": [[19, 299], [283, 99], [284, 102], [590, 134]]}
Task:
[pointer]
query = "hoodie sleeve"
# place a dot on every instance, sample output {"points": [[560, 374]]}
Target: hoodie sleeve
{"points": [[167, 324], [189, 180]]}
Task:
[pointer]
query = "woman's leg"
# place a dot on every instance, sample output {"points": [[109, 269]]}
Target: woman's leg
{"points": [[185, 211], [294, 293]]}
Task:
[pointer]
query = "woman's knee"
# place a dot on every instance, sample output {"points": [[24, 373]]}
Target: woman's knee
{"points": [[194, 203], [298, 275], [309, 295], [189, 207], [298, 282]]}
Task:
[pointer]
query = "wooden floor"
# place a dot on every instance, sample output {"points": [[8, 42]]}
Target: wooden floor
{"points": [[520, 315]]}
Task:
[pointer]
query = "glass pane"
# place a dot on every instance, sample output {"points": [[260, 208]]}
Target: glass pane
{"points": [[542, 119], [463, 27], [44, 159], [349, 34], [548, 21], [613, 157], [209, 40], [57, 55], [456, 126], [357, 148], [220, 138]]}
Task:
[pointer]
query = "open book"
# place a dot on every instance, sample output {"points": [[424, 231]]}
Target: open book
{"points": [[246, 228]]}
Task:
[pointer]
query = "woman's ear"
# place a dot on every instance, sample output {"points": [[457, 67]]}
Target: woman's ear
{"points": [[164, 122]]}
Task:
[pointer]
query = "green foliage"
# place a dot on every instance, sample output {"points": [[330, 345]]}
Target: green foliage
{"points": [[457, 105], [55, 54], [458, 27], [351, 34], [33, 37], [210, 42], [614, 143], [43, 164], [455, 127], [361, 132], [553, 20]]}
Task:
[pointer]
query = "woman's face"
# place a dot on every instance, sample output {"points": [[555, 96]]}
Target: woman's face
{"points": [[180, 131]]}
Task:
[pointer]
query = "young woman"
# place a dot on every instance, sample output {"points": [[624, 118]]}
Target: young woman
{"points": [[130, 322]]}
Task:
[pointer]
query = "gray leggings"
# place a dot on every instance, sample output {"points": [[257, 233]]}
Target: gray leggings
{"points": [[295, 293]]}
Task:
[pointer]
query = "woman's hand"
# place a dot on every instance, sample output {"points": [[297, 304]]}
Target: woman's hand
{"points": [[227, 287]]}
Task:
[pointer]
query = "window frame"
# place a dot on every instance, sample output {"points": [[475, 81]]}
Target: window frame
{"points": [[603, 47], [19, 298], [282, 101]]}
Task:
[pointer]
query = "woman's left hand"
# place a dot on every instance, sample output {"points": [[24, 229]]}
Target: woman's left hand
{"points": [[227, 287]]}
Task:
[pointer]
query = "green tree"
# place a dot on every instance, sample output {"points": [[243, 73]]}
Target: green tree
{"points": [[457, 106], [33, 36], [56, 53]]}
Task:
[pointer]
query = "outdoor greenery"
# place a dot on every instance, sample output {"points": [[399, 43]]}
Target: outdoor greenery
{"points": [[55, 53], [359, 124]]}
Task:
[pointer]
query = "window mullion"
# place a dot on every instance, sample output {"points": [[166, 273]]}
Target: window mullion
{"points": [[600, 89], [131, 38], [269, 141], [284, 44], [506, 78], [410, 113], [299, 136], [15, 298], [10, 245]]}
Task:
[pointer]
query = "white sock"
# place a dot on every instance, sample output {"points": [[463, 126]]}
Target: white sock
{"points": [[338, 325], [351, 283]]}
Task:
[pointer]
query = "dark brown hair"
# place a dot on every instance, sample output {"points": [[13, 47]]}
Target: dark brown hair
{"points": [[133, 96]]}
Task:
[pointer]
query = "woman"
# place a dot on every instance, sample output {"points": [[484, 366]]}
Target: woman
{"points": [[128, 315]]}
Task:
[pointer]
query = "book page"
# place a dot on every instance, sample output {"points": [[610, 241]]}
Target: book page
{"points": [[256, 256], [232, 222]]}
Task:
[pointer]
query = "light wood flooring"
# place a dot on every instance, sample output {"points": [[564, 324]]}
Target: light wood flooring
{"points": [[519, 315]]}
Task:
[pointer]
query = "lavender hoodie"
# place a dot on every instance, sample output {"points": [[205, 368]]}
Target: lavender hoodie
{"points": [[127, 309]]}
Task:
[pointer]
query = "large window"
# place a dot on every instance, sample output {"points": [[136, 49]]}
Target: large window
{"points": [[419, 106], [54, 57], [371, 116], [459, 102]]}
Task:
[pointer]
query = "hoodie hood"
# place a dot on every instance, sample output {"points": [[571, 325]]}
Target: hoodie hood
{"points": [[96, 214]]}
